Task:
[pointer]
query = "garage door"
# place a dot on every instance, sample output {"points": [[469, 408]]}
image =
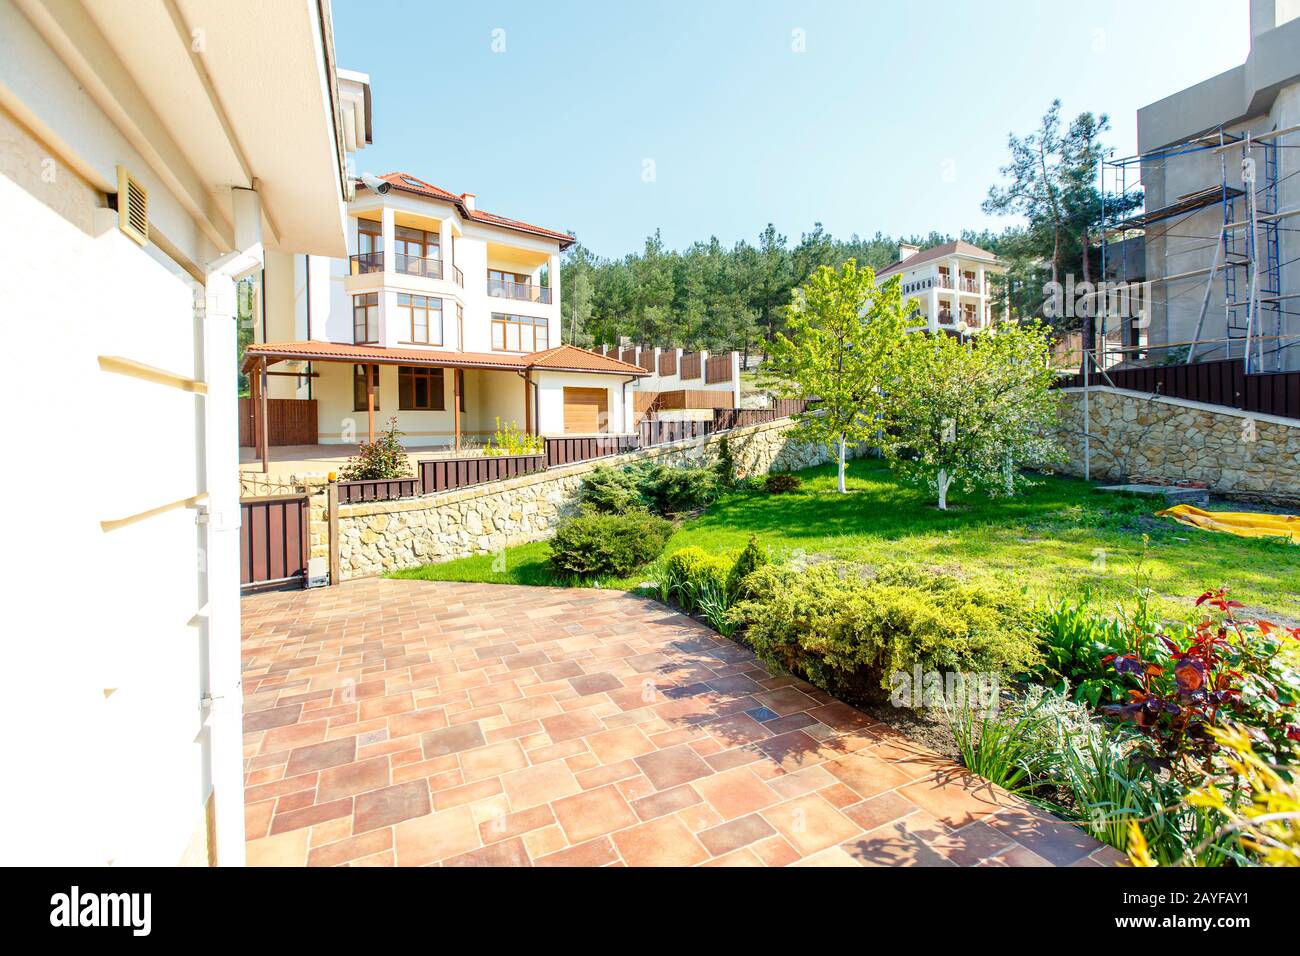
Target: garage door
{"points": [[586, 411]]}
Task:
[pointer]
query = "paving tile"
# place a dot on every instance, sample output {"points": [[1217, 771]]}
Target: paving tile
{"points": [[319, 756], [352, 778], [593, 813], [382, 808], [612, 746], [736, 793], [810, 824], [492, 760], [435, 836], [539, 784], [673, 766], [412, 723], [451, 740], [663, 842], [736, 833]]}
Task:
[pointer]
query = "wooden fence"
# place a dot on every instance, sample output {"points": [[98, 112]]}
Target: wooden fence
{"points": [[1222, 382], [292, 421], [690, 366], [718, 369]]}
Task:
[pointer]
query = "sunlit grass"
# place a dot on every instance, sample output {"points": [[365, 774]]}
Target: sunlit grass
{"points": [[1056, 539]]}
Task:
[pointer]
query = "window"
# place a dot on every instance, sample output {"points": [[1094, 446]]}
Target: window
{"points": [[415, 243], [422, 316], [359, 387], [519, 333], [420, 389], [365, 318], [370, 239]]}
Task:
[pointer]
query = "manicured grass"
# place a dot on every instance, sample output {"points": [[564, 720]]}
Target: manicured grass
{"points": [[1056, 539]]}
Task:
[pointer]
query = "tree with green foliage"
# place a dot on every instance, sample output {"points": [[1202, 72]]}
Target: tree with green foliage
{"points": [[972, 413], [843, 334]]}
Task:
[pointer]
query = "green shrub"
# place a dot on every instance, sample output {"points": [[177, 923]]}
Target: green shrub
{"points": [[726, 464], [677, 490], [779, 483], [381, 459], [693, 573], [848, 633], [592, 544], [752, 557], [612, 490]]}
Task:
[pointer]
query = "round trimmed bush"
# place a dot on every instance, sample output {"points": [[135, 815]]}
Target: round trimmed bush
{"points": [[593, 544]]}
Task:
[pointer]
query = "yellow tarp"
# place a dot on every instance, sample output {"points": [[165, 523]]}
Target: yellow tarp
{"points": [[1245, 524]]}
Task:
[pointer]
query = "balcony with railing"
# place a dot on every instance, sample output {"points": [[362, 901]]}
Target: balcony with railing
{"points": [[367, 262], [423, 266], [524, 291], [944, 281], [970, 285]]}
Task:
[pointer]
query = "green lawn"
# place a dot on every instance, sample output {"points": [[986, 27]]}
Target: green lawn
{"points": [[1055, 539]]}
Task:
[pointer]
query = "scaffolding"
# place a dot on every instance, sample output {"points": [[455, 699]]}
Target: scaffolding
{"points": [[1247, 252]]}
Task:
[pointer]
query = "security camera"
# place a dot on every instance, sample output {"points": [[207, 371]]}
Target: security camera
{"points": [[374, 182]]}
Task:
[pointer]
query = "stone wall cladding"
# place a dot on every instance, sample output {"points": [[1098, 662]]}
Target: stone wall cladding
{"points": [[1251, 457], [383, 536]]}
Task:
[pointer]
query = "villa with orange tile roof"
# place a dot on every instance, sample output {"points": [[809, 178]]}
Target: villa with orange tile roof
{"points": [[443, 315], [949, 284]]}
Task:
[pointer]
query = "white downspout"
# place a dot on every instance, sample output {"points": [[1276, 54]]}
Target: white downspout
{"points": [[223, 697]]}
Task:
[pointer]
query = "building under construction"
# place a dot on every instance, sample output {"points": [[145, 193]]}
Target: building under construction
{"points": [[1218, 241]]}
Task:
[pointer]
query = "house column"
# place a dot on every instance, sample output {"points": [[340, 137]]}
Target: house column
{"points": [[982, 302], [933, 320], [388, 236], [528, 405], [372, 371], [264, 437], [456, 387], [557, 316]]}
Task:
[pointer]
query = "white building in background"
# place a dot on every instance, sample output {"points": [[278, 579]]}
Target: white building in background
{"points": [[146, 164], [949, 284], [453, 311]]}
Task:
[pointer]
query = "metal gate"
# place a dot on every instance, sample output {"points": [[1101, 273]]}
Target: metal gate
{"points": [[273, 542]]}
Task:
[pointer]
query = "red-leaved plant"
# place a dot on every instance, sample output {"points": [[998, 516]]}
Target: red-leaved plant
{"points": [[1220, 670]]}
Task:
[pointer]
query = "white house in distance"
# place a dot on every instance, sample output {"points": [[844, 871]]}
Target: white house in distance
{"points": [[147, 164], [442, 315], [949, 284]]}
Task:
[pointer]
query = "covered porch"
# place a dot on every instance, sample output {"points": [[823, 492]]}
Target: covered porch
{"points": [[445, 403]]}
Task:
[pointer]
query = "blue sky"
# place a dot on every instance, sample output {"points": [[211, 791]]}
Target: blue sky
{"points": [[894, 117]]}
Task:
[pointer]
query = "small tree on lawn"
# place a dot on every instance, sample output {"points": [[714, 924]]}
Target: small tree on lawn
{"points": [[972, 414], [843, 332]]}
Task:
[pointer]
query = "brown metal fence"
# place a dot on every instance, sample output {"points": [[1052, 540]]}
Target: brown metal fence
{"points": [[725, 419], [1222, 382], [571, 450], [448, 474], [351, 492], [273, 542], [785, 407]]}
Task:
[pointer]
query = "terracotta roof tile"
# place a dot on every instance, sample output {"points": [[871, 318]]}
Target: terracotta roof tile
{"points": [[956, 248], [565, 358], [408, 183]]}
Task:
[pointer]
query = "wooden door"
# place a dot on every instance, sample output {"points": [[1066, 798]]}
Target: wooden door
{"points": [[586, 411]]}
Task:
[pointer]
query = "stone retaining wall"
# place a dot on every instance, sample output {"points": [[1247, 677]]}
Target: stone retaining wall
{"points": [[1248, 456], [382, 536]]}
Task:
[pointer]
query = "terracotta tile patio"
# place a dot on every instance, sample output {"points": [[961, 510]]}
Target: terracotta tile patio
{"points": [[413, 723]]}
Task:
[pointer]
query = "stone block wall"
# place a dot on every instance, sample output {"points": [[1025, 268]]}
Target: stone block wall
{"points": [[1247, 456], [382, 536]]}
